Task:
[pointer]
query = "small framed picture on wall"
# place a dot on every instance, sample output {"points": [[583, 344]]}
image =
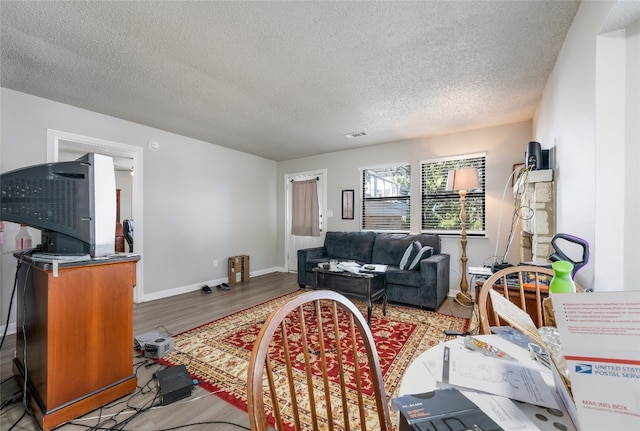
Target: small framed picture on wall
{"points": [[347, 204]]}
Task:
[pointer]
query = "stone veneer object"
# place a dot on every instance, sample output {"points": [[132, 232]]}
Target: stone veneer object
{"points": [[537, 216]]}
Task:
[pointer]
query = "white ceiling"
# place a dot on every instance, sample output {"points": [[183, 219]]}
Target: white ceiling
{"points": [[284, 80]]}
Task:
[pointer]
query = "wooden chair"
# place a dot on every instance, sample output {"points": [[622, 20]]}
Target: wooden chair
{"points": [[296, 339], [527, 288]]}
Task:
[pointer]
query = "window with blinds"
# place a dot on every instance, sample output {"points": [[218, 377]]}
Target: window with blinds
{"points": [[386, 200], [441, 208]]}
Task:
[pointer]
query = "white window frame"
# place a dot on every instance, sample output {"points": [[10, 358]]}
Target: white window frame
{"points": [[471, 195], [407, 198]]}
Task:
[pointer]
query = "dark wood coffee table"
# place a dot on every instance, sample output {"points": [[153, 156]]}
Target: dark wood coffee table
{"points": [[366, 286]]}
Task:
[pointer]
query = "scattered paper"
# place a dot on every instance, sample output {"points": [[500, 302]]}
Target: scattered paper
{"points": [[502, 410], [370, 267], [352, 267], [497, 376]]}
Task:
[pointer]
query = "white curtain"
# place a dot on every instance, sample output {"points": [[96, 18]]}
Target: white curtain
{"points": [[305, 212]]}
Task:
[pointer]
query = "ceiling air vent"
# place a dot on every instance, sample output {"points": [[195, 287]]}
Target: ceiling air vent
{"points": [[355, 135]]}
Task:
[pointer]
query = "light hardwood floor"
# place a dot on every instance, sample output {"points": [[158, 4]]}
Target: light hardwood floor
{"points": [[173, 315]]}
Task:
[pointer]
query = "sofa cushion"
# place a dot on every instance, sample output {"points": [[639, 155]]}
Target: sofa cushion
{"points": [[389, 248], [396, 275], [432, 240], [410, 253], [350, 245], [424, 253]]}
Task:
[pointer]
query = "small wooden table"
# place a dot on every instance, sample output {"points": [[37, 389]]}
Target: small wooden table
{"points": [[366, 286]]}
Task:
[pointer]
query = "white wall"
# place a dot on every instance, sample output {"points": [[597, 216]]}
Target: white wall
{"points": [[589, 111], [504, 145], [632, 161], [201, 201]]}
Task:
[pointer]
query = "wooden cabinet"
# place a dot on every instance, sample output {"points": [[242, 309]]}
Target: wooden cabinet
{"points": [[77, 339]]}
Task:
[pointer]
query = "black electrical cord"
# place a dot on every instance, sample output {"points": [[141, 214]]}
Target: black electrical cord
{"points": [[25, 399], [12, 398], [177, 427], [24, 389], [18, 421], [165, 330], [13, 292], [138, 411], [7, 379], [206, 423]]}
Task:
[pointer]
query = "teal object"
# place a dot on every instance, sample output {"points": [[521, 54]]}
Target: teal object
{"points": [[562, 281]]}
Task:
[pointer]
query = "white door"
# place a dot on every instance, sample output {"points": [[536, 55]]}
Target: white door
{"points": [[293, 242]]}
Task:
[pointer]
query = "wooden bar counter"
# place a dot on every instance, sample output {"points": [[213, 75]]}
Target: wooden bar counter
{"points": [[75, 348]]}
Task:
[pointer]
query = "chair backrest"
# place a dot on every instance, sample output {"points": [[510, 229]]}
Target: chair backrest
{"points": [[301, 374], [527, 287]]}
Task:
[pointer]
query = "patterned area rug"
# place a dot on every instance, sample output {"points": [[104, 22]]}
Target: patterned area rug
{"points": [[217, 353]]}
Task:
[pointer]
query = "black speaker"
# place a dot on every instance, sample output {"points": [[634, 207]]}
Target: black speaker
{"points": [[533, 157], [546, 159]]}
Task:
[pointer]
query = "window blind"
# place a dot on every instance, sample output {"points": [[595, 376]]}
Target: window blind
{"points": [[386, 199], [441, 208]]}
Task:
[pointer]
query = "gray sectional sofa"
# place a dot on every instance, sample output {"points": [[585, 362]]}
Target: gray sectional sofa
{"points": [[425, 286]]}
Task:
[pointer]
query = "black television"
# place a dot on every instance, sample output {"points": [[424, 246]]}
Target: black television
{"points": [[72, 203]]}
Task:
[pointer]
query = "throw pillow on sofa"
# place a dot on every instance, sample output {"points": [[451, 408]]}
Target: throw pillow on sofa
{"points": [[424, 252], [409, 255]]}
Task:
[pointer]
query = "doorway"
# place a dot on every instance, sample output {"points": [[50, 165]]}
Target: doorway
{"points": [[293, 243], [127, 160]]}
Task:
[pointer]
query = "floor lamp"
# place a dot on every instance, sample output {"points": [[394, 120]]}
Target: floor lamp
{"points": [[462, 180]]}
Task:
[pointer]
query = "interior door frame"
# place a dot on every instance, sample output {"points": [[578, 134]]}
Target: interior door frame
{"points": [[113, 149], [322, 175]]}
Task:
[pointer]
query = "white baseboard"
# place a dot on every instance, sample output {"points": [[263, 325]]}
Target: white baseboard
{"points": [[194, 287]]}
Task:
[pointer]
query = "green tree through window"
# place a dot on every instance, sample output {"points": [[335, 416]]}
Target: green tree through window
{"points": [[441, 208]]}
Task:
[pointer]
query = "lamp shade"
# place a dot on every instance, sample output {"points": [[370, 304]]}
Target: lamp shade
{"points": [[463, 179]]}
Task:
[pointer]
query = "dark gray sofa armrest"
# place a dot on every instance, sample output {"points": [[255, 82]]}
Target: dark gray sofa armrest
{"points": [[434, 272], [305, 255], [311, 253]]}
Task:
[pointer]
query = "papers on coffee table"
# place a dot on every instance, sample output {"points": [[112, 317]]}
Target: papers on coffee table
{"points": [[370, 267], [356, 268], [352, 267]]}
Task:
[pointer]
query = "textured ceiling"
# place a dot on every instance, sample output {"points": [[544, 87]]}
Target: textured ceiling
{"points": [[284, 80]]}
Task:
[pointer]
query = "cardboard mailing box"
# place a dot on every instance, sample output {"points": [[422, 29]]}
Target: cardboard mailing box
{"points": [[238, 269]]}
